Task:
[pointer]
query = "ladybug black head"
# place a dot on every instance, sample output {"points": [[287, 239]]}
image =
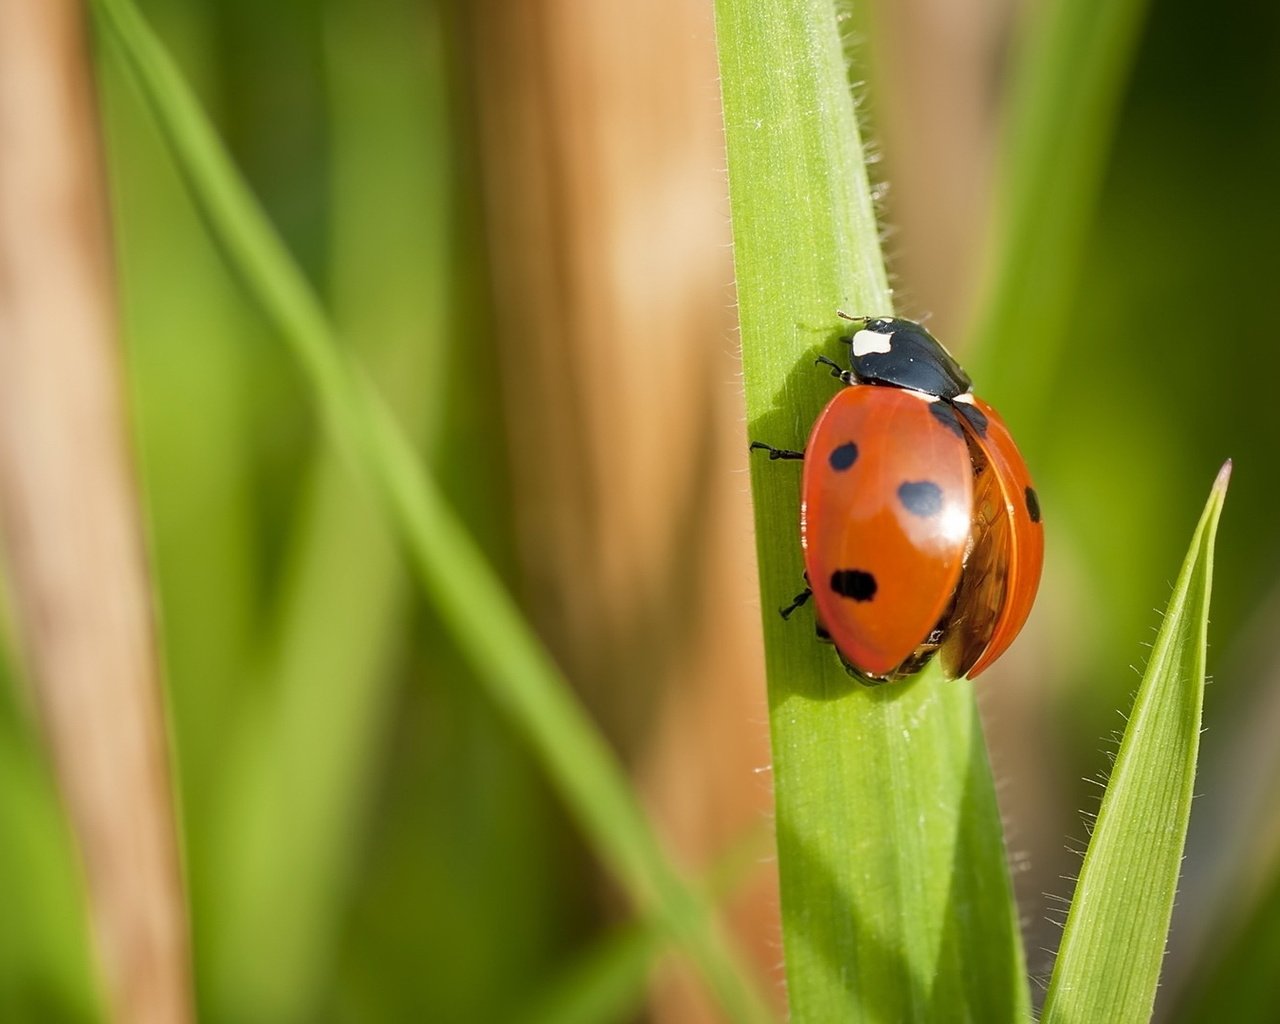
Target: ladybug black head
{"points": [[901, 353]]}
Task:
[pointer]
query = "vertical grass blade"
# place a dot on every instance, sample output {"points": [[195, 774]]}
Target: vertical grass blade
{"points": [[605, 984], [1109, 962], [284, 876], [896, 898], [470, 600], [1065, 92]]}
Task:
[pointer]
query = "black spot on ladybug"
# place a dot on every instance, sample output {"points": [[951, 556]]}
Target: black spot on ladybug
{"points": [[923, 497], [977, 419], [946, 414], [843, 457], [1033, 505], [854, 583]]}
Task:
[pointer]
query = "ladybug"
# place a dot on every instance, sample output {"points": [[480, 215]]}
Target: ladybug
{"points": [[919, 521]]}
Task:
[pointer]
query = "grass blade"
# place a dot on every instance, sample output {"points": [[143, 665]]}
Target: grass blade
{"points": [[1071, 68], [283, 889], [605, 984], [470, 600], [896, 898], [608, 981], [1108, 965]]}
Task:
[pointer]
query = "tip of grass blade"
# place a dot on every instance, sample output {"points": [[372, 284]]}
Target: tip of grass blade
{"points": [[1224, 478], [1109, 962]]}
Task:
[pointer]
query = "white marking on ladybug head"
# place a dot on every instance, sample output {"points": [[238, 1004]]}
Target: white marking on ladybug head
{"points": [[866, 342], [924, 396], [967, 398]]}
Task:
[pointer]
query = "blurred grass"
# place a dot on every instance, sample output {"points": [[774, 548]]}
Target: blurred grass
{"points": [[1068, 77], [225, 381], [482, 618], [607, 984], [1118, 401], [291, 826], [204, 384], [1181, 249], [1238, 979], [46, 973]]}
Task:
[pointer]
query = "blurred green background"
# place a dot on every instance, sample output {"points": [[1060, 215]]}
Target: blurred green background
{"points": [[364, 838]]}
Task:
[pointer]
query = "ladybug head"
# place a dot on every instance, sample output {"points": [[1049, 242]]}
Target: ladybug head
{"points": [[901, 353]]}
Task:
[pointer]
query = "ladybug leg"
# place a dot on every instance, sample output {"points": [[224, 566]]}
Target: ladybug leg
{"points": [[801, 598], [837, 371], [776, 453]]}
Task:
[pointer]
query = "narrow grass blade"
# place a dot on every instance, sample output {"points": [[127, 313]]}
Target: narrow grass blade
{"points": [[283, 877], [608, 981], [469, 598], [1109, 962], [199, 480], [606, 984], [896, 898], [1069, 73]]}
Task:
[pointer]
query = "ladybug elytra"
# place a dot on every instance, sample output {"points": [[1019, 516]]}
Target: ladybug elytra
{"points": [[919, 521]]}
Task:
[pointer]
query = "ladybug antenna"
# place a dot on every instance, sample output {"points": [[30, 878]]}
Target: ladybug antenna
{"points": [[887, 318]]}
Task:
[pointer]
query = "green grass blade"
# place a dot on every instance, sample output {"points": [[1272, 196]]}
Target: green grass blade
{"points": [[607, 984], [1070, 71], [283, 889], [1108, 964], [469, 598], [896, 898], [608, 981]]}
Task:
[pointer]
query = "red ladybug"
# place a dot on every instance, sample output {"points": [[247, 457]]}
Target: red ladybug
{"points": [[920, 525]]}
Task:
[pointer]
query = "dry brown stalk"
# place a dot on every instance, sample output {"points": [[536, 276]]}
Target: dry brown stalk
{"points": [[73, 538]]}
